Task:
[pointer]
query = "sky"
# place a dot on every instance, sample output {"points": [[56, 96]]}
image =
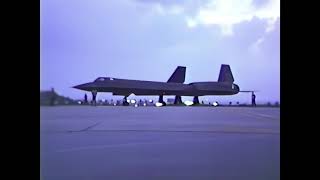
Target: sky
{"points": [[147, 39]]}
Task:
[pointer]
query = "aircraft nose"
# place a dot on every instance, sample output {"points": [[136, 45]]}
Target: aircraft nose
{"points": [[81, 86], [77, 87]]}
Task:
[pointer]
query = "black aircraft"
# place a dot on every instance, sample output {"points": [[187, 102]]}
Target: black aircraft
{"points": [[174, 86]]}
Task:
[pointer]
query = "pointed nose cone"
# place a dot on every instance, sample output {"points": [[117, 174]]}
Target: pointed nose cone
{"points": [[79, 87], [84, 87]]}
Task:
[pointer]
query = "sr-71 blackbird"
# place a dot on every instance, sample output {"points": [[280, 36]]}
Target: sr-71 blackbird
{"points": [[174, 86]]}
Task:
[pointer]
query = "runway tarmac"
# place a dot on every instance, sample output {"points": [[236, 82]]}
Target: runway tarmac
{"points": [[107, 142]]}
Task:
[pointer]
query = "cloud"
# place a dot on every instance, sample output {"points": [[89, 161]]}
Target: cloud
{"points": [[270, 25], [224, 13], [254, 48], [191, 22], [162, 2], [171, 10], [173, 7], [227, 13], [259, 3], [172, 2]]}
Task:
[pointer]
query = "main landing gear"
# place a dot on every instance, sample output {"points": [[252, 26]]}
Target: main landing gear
{"points": [[196, 100], [161, 100], [177, 100]]}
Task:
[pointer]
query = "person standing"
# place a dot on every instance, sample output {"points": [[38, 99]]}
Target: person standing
{"points": [[85, 99], [53, 97], [253, 99]]}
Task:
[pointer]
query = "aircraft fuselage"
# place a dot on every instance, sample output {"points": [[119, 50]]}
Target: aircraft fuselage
{"points": [[137, 87]]}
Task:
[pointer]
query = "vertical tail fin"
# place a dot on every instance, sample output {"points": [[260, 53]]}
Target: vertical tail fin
{"points": [[178, 76], [225, 74]]}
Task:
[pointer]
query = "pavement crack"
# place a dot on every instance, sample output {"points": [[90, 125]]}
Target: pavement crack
{"points": [[87, 128]]}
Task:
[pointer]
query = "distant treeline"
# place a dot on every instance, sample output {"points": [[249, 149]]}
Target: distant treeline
{"points": [[48, 98]]}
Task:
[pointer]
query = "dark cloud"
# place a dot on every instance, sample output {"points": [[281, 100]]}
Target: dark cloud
{"points": [[164, 2], [190, 7], [259, 3]]}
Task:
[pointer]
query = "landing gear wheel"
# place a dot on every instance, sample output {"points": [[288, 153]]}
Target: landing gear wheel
{"points": [[125, 102]]}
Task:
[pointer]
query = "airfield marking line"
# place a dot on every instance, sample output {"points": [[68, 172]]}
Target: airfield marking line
{"points": [[93, 147], [168, 131], [149, 143], [129, 144], [251, 114], [266, 115], [107, 146], [186, 131]]}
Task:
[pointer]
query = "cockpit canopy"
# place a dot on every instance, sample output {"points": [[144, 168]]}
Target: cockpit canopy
{"points": [[100, 79]]}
